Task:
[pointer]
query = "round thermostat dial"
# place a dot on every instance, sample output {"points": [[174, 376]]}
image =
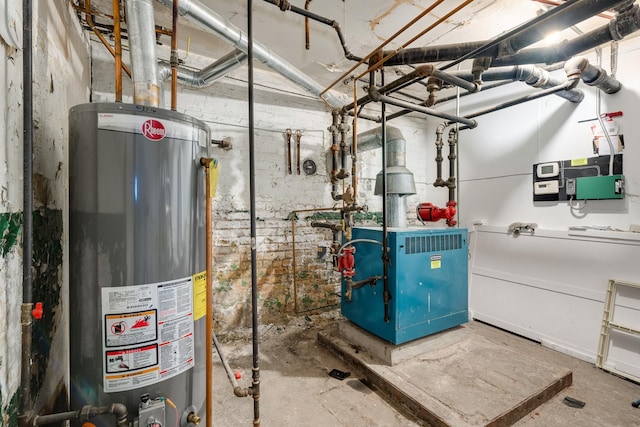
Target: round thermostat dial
{"points": [[309, 167]]}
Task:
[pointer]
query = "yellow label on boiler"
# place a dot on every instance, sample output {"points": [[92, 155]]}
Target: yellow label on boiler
{"points": [[199, 295], [579, 162], [436, 264]]}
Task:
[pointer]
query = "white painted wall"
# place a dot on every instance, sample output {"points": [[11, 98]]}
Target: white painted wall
{"points": [[549, 287], [61, 78]]}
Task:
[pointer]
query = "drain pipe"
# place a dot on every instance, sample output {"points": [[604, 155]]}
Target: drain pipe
{"points": [[88, 412], [27, 212], [255, 371], [237, 390], [142, 30], [344, 148], [212, 22], [208, 75]]}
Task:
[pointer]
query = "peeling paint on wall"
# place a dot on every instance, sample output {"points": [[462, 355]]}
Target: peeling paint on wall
{"points": [[10, 226]]}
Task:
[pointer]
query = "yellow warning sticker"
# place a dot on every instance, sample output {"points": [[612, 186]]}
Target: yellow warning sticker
{"points": [[436, 264], [213, 176], [579, 162], [199, 295]]}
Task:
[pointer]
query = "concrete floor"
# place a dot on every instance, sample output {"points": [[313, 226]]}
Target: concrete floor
{"points": [[297, 390]]}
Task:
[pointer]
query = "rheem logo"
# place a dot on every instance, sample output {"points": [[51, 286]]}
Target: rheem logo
{"points": [[153, 130]]}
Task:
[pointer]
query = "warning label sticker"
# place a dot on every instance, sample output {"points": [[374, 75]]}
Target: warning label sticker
{"points": [[131, 328], [160, 317]]}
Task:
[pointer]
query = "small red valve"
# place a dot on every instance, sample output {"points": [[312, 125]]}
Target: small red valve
{"points": [[347, 263], [38, 311], [238, 375]]}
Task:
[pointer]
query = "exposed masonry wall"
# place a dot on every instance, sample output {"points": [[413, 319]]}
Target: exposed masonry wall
{"points": [[278, 105], [61, 78]]}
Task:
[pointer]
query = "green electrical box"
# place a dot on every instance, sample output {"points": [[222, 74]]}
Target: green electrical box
{"points": [[600, 187]]}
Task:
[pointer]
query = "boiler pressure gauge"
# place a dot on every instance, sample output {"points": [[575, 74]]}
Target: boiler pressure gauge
{"points": [[309, 167]]}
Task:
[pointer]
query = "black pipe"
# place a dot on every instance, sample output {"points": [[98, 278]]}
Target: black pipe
{"points": [[386, 295], [87, 412], [284, 5], [344, 148], [569, 84], [237, 390], [431, 112], [255, 383], [619, 27], [27, 211], [563, 16], [451, 182], [439, 182], [330, 226]]}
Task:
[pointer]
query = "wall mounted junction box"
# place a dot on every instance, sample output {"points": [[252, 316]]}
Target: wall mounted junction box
{"points": [[600, 187]]}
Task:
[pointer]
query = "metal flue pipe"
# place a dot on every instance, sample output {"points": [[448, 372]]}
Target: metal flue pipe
{"points": [[208, 75], [142, 37], [209, 20]]}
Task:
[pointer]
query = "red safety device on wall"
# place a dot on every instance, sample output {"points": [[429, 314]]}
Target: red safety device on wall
{"points": [[38, 311], [347, 263], [429, 212]]}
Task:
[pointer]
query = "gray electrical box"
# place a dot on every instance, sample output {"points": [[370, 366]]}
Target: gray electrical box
{"points": [[151, 412]]}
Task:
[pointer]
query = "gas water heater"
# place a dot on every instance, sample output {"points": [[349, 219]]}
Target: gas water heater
{"points": [[137, 246], [428, 275]]}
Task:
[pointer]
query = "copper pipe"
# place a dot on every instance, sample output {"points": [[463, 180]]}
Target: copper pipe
{"points": [[159, 28], [174, 57], [293, 245], [386, 42], [307, 40], [92, 26], [422, 33], [206, 162], [118, 42]]}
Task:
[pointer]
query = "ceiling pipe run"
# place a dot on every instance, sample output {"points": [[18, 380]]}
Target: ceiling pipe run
{"points": [[284, 5], [208, 75], [142, 47], [216, 24], [622, 25], [591, 75], [559, 18]]}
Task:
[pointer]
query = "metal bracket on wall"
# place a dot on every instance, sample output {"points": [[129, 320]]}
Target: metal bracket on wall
{"points": [[518, 227]]}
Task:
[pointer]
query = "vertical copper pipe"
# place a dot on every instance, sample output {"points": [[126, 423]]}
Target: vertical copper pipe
{"points": [[118, 50], [174, 59], [89, 17], [206, 162], [307, 40]]}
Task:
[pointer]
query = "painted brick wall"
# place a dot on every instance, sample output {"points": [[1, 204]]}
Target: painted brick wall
{"points": [[61, 77], [278, 105]]}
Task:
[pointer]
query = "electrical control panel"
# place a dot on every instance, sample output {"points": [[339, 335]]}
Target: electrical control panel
{"points": [[578, 179]]}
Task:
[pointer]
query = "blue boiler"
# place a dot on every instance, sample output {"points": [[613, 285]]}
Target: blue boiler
{"points": [[428, 282]]}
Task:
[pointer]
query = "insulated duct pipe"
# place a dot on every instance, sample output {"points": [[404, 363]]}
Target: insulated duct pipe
{"points": [[619, 27], [531, 75], [561, 17], [144, 62], [216, 24], [592, 75], [208, 75]]}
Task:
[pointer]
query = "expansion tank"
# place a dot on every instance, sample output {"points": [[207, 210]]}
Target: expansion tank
{"points": [[137, 244]]}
